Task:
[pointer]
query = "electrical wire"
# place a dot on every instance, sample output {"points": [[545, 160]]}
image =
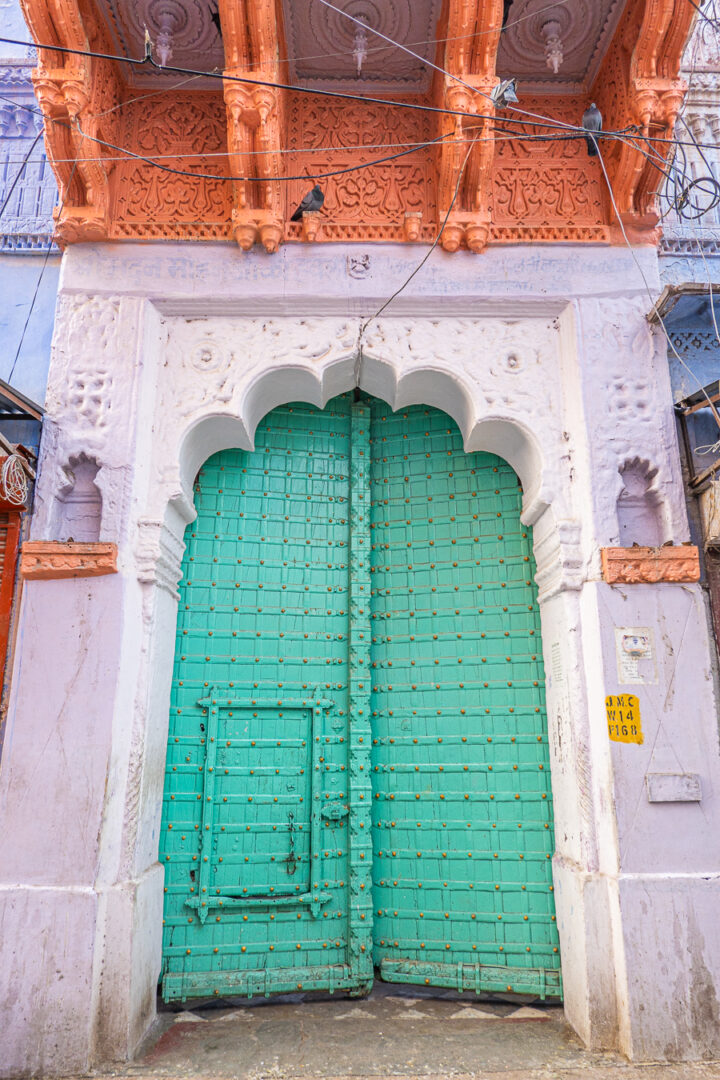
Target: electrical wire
{"points": [[241, 79], [713, 22], [545, 122], [405, 49], [499, 137], [448, 74], [131, 155], [422, 262], [699, 38], [623, 135]]}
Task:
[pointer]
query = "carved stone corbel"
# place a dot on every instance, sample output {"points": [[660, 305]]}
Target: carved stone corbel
{"points": [[645, 56], [70, 94], [254, 115], [471, 52]]}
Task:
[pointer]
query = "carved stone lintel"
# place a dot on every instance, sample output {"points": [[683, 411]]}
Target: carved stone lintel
{"points": [[649, 565], [43, 560]]}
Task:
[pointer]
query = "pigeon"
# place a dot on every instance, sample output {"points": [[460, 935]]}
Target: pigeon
{"points": [[592, 121], [505, 93], [312, 201]]}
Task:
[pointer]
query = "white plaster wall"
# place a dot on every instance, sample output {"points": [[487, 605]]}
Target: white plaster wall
{"points": [[166, 353]]}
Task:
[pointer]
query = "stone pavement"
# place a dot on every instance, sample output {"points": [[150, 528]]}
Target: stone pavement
{"points": [[398, 1033]]}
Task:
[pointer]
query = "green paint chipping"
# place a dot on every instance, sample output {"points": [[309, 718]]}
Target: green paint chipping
{"points": [[357, 585]]}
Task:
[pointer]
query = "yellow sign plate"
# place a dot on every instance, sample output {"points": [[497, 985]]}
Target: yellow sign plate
{"points": [[623, 717]]}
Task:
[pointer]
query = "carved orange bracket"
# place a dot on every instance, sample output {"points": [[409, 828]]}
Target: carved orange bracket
{"points": [[639, 84], [649, 565], [74, 90], [471, 53], [255, 121], [43, 560]]}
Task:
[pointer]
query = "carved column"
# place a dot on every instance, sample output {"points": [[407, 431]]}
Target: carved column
{"points": [[645, 56], [71, 90], [474, 35], [255, 121]]}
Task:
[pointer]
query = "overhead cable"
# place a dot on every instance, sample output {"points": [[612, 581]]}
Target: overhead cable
{"points": [[546, 121], [222, 76]]}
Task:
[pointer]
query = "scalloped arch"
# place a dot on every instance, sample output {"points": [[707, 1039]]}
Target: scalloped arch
{"points": [[427, 385]]}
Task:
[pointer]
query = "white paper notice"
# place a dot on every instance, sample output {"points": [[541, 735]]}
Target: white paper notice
{"points": [[634, 648]]}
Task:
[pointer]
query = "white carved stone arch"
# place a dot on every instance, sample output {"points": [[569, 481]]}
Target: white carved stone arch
{"points": [[506, 435]]}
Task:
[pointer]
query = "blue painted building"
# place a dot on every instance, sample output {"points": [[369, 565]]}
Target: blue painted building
{"points": [[689, 307], [29, 262]]}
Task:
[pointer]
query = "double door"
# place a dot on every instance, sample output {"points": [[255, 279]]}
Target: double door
{"points": [[357, 779]]}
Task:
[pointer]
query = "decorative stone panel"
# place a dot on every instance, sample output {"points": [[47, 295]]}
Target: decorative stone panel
{"points": [[649, 565], [43, 560]]}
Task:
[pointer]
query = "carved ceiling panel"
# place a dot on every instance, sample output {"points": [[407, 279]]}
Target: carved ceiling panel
{"points": [[572, 36], [324, 47], [182, 31]]}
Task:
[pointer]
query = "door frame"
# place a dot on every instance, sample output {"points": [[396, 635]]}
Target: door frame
{"points": [[189, 435]]}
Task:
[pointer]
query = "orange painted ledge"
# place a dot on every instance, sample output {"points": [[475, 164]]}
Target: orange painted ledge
{"points": [[648, 565], [43, 560]]}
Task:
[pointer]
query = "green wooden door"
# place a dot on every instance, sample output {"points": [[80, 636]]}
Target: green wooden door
{"points": [[267, 857], [462, 825], [271, 829]]}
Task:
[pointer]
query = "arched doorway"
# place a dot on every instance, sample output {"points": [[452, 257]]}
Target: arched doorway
{"points": [[357, 773]]}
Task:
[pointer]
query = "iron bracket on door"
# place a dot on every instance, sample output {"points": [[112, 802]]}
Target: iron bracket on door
{"points": [[314, 898]]}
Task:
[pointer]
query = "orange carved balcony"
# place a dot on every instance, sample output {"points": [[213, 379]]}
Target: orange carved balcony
{"points": [[203, 158]]}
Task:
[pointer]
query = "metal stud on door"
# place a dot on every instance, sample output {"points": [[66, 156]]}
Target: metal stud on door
{"points": [[463, 892]]}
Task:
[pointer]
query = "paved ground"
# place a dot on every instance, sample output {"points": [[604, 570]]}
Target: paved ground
{"points": [[397, 1033]]}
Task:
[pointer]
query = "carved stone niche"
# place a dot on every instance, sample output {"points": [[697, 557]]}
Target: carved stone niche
{"points": [[639, 506], [75, 518], [77, 511]]}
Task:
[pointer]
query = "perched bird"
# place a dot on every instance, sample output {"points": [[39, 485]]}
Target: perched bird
{"points": [[312, 201], [592, 121], [505, 93]]}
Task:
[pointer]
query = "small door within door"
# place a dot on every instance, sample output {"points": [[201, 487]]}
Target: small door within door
{"points": [[267, 857]]}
